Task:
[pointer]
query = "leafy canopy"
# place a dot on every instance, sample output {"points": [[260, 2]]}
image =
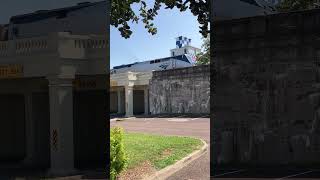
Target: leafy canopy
{"points": [[296, 5], [204, 57], [122, 13]]}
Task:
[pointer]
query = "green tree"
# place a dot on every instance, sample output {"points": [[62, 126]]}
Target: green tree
{"points": [[204, 57], [118, 156], [296, 5], [122, 13]]}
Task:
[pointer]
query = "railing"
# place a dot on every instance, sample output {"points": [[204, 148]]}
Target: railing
{"points": [[31, 45], [75, 43], [4, 48], [90, 43]]}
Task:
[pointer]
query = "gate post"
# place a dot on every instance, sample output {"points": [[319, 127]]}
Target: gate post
{"points": [[129, 100], [61, 126], [146, 100], [119, 101]]}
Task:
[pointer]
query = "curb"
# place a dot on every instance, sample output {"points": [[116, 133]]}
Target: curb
{"points": [[123, 119], [170, 170], [75, 177]]}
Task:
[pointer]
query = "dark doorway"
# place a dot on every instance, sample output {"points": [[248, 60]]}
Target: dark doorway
{"points": [[90, 127], [113, 102], [41, 118], [138, 102], [12, 128]]}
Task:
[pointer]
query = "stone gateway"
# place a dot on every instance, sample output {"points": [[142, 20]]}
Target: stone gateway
{"points": [[53, 103]]}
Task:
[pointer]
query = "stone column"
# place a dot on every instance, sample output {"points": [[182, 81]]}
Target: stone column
{"points": [[146, 101], [61, 126], [119, 101], [129, 100]]}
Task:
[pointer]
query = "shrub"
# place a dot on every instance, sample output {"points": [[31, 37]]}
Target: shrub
{"points": [[118, 157]]}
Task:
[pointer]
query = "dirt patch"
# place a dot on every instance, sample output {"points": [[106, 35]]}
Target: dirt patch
{"points": [[166, 153], [143, 170]]}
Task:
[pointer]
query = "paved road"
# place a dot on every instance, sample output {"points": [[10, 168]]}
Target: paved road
{"points": [[267, 173], [199, 169], [178, 125], [33, 174]]}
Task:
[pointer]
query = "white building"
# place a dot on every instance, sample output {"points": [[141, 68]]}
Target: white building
{"points": [[129, 83], [184, 55], [183, 46]]}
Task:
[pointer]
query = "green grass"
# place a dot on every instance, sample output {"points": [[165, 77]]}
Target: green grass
{"points": [[161, 151]]}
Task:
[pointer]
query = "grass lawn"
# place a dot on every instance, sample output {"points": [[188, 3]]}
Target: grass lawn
{"points": [[160, 151]]}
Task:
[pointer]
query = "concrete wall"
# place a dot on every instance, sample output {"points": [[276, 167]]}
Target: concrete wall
{"points": [[266, 100], [183, 90]]}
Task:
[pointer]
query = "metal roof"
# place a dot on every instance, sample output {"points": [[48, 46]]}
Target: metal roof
{"points": [[180, 57], [252, 2], [44, 14]]}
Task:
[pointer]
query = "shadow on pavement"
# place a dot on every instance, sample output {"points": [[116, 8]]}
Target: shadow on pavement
{"points": [[36, 174], [268, 172]]}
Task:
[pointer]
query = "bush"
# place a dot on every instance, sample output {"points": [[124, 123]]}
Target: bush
{"points": [[118, 157]]}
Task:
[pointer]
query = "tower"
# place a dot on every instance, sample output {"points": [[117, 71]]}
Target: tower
{"points": [[183, 47], [182, 41]]}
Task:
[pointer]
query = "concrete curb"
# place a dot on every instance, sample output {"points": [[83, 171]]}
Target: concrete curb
{"points": [[122, 119], [75, 177], [170, 170]]}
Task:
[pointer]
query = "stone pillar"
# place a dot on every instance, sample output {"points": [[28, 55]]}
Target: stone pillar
{"points": [[146, 101], [119, 101], [61, 126], [129, 100]]}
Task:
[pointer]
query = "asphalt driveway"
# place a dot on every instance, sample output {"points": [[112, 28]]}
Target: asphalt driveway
{"points": [[181, 125]]}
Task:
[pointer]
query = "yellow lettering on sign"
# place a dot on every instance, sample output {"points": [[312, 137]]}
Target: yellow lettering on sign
{"points": [[113, 83], [11, 71]]}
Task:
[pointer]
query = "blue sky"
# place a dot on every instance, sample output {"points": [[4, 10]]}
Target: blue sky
{"points": [[142, 46]]}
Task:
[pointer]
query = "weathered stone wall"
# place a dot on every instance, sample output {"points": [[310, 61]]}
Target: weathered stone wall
{"points": [[267, 93], [183, 90]]}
